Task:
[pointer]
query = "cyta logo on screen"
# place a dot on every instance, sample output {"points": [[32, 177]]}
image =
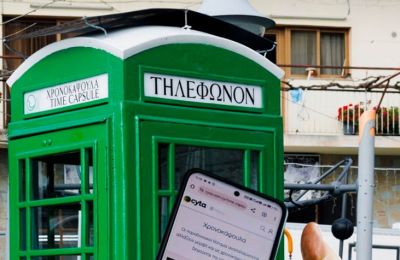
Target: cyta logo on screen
{"points": [[195, 202]]}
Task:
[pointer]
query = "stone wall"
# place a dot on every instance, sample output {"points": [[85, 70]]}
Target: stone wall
{"points": [[3, 201]]}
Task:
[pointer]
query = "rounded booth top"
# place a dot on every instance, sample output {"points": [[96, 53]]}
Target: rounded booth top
{"points": [[125, 43]]}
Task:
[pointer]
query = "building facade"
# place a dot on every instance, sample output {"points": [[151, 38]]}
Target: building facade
{"points": [[332, 51]]}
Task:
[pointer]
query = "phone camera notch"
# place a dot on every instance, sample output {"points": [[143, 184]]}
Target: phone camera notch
{"points": [[187, 199], [236, 193]]}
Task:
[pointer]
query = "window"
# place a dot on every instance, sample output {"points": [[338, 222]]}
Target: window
{"points": [[318, 47], [56, 205], [17, 49], [240, 166], [310, 47], [332, 51], [303, 49]]}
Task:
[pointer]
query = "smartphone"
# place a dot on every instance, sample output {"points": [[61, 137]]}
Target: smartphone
{"points": [[214, 218]]}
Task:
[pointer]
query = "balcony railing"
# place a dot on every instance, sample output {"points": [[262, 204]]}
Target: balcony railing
{"points": [[387, 119], [322, 113]]}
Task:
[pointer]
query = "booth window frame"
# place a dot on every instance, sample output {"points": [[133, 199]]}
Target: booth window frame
{"points": [[85, 199]]}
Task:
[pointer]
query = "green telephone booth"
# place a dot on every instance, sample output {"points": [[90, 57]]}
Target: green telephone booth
{"points": [[104, 127]]}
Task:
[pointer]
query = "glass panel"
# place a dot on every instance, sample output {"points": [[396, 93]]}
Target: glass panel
{"points": [[91, 226], [332, 52], [255, 169], [57, 257], [163, 166], [164, 215], [227, 163], [22, 226], [56, 176], [90, 257], [91, 179], [90, 165], [22, 179], [56, 226], [303, 50]]}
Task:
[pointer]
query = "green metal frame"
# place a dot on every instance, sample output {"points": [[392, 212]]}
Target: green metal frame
{"points": [[81, 140]]}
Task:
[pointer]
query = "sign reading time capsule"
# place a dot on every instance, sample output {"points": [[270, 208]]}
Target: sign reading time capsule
{"points": [[202, 91], [67, 94]]}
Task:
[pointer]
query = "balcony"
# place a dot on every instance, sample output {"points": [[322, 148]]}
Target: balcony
{"points": [[387, 119], [313, 121]]}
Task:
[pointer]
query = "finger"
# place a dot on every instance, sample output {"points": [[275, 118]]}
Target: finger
{"points": [[313, 246]]}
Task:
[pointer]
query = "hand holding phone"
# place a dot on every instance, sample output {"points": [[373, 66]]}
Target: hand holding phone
{"points": [[216, 219]]}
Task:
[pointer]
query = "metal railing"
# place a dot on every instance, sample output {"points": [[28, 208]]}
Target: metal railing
{"points": [[387, 119], [386, 247]]}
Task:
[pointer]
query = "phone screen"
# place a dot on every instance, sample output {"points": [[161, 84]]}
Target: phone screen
{"points": [[218, 220]]}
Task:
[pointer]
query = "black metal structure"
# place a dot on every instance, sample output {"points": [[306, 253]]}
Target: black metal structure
{"points": [[337, 188], [163, 17]]}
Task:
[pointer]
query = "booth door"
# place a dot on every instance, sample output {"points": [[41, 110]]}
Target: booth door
{"points": [[169, 150], [56, 184]]}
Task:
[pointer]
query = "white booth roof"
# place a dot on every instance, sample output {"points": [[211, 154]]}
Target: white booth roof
{"points": [[127, 42]]}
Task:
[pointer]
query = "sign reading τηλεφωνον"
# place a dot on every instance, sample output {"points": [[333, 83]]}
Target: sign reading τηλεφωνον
{"points": [[202, 91], [67, 94]]}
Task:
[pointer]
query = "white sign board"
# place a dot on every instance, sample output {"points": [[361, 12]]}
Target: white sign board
{"points": [[202, 91], [67, 94]]}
